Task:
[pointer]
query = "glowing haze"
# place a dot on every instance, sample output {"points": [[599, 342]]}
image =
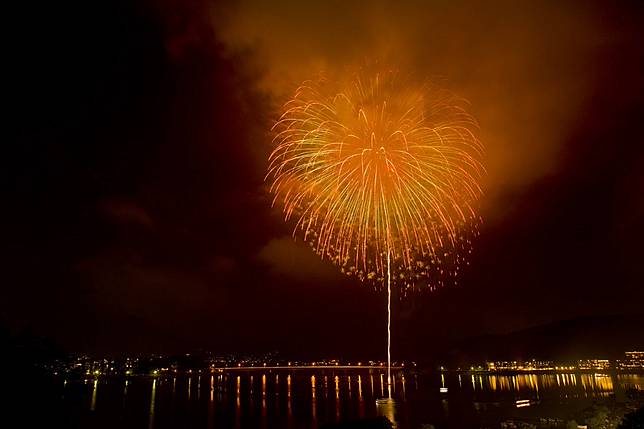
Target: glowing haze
{"points": [[380, 175]]}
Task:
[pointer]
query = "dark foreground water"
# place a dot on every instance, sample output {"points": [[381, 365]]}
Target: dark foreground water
{"points": [[308, 399]]}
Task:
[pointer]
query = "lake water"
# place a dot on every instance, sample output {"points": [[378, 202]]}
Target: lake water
{"points": [[309, 398]]}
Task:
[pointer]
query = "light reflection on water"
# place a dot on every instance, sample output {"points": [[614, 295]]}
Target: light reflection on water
{"points": [[93, 404], [298, 399], [387, 408], [152, 402]]}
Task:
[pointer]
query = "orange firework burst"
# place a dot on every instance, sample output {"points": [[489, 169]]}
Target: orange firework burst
{"points": [[379, 175]]}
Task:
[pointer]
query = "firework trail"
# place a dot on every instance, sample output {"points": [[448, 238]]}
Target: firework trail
{"points": [[380, 176]]}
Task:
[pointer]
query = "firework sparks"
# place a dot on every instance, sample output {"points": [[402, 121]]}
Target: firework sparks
{"points": [[379, 169]]}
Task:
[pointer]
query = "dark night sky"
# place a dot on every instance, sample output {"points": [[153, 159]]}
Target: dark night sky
{"points": [[134, 212]]}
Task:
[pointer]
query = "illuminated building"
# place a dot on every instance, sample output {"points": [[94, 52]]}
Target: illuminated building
{"points": [[634, 360], [506, 365], [587, 364], [530, 365]]}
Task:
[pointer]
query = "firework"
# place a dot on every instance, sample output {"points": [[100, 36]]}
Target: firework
{"points": [[380, 176], [377, 169]]}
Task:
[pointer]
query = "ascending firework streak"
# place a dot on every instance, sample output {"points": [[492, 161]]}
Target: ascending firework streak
{"points": [[381, 177]]}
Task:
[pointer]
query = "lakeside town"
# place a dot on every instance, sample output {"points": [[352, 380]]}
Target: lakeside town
{"points": [[87, 366]]}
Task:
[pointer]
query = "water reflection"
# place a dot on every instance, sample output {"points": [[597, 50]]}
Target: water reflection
{"points": [[404, 392], [93, 404], [313, 401], [591, 383], [238, 403], [198, 388], [387, 408], [326, 386], [212, 388], [306, 399], [337, 399], [251, 391], [631, 381], [152, 401], [361, 409], [211, 403], [263, 400], [288, 394], [277, 391], [127, 383]]}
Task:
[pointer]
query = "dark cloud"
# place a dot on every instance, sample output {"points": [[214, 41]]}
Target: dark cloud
{"points": [[294, 259], [126, 212], [136, 216]]}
